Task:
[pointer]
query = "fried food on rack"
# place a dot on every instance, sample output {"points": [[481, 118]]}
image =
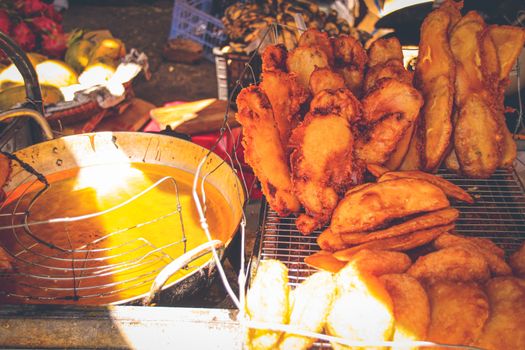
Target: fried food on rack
{"points": [[477, 138], [434, 76], [350, 61], [449, 188], [412, 159], [517, 261], [310, 303], [384, 50], [315, 38], [458, 312], [379, 262], [436, 218], [379, 203], [286, 95], [497, 264], [267, 301], [362, 309], [264, 151], [274, 58], [505, 328], [451, 264], [399, 243], [325, 79], [389, 110], [303, 61], [324, 260], [509, 41], [389, 70], [449, 240], [341, 102], [411, 308], [330, 241], [321, 174]]}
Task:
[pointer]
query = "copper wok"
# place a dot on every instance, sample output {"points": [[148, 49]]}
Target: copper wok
{"points": [[78, 151]]}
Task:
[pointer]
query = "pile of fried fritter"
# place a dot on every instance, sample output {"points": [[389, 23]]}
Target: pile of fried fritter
{"points": [[463, 293]]}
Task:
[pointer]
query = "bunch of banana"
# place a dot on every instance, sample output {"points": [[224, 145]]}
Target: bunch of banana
{"points": [[95, 55], [244, 22]]}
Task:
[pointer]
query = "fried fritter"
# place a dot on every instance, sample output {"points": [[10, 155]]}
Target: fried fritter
{"points": [[330, 241], [412, 158], [267, 301], [517, 261], [391, 69], [321, 174], [303, 61], [423, 222], [341, 102], [324, 260], [434, 76], [505, 328], [449, 240], [451, 264], [399, 243], [376, 169], [376, 204], [325, 79], [509, 41], [379, 262], [310, 303], [384, 50], [458, 312], [264, 151], [350, 61], [362, 309], [411, 308], [274, 58], [286, 95], [449, 188], [315, 38]]}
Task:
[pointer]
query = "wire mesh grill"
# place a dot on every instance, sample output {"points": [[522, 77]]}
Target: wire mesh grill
{"points": [[498, 214]]}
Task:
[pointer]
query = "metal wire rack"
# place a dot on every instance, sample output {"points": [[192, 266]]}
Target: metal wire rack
{"points": [[498, 214]]}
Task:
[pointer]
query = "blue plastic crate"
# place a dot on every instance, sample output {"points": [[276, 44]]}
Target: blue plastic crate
{"points": [[191, 21]]}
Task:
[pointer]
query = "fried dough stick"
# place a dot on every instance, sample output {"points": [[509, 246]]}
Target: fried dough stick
{"points": [[286, 95], [264, 151], [434, 76], [389, 111]]}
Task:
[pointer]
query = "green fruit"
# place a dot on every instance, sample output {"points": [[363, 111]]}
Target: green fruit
{"points": [[78, 54]]}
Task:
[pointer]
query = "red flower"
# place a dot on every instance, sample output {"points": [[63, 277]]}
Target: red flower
{"points": [[30, 7], [24, 36], [5, 23], [54, 45], [50, 12], [44, 25]]}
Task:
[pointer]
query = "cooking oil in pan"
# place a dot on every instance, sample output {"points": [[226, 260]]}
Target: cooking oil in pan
{"points": [[113, 256]]}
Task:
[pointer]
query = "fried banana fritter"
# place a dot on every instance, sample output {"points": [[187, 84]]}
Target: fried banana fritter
{"points": [[505, 328], [411, 308], [341, 102], [376, 204], [303, 61], [350, 61], [451, 264], [315, 38], [325, 79], [458, 312], [384, 50], [449, 240], [274, 58], [286, 95], [324, 260], [380, 262], [264, 151]]}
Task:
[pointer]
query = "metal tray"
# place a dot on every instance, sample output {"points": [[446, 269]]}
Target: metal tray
{"points": [[498, 214]]}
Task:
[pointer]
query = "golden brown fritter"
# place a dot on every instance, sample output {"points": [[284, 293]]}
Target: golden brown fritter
{"points": [[325, 79], [517, 261], [324, 260], [391, 69], [303, 61], [264, 151], [341, 102], [379, 262], [451, 264], [505, 328], [449, 240], [350, 61], [274, 58], [411, 308], [383, 50], [316, 38], [458, 312], [286, 95], [321, 174], [379, 203]]}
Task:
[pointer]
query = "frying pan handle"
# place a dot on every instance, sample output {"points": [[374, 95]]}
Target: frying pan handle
{"points": [[175, 266], [21, 61]]}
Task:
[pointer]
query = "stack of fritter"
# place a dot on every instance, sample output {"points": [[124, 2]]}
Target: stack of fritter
{"points": [[463, 293], [462, 71], [321, 134]]}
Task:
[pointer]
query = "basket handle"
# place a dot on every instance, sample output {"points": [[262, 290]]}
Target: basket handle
{"points": [[175, 266], [21, 61]]}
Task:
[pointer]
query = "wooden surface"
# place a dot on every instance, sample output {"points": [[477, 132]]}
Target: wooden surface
{"points": [[133, 118], [194, 117]]}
